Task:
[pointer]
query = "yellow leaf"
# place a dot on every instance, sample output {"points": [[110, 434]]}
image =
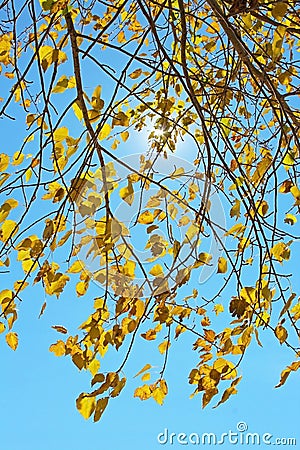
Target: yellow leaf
{"points": [[76, 267], [17, 158], [4, 162], [5, 296], [61, 85], [226, 368], [125, 135], [203, 258], [280, 251], [59, 348], [146, 218], [97, 103], [29, 265], [218, 309], [120, 119], [222, 265], [289, 159], [145, 377], [143, 392], [286, 372], [60, 134], [94, 366], [28, 175], [290, 219], [100, 407], [77, 110], [85, 405], [156, 270], [121, 37], [278, 10], [129, 268], [8, 230], [295, 192], [146, 367], [12, 340], [20, 285], [278, 41], [236, 230], [81, 288], [2, 327], [296, 311], [281, 333], [164, 346], [64, 238], [137, 73], [160, 392], [104, 132], [127, 193], [235, 210], [262, 319], [262, 207], [213, 28], [192, 231], [176, 248]]}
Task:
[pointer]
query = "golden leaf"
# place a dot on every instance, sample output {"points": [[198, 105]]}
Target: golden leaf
{"points": [[146, 376], [121, 37], [86, 405], [156, 270], [278, 41], [235, 210], [278, 10], [137, 73], [143, 392], [94, 366], [120, 119], [77, 110], [290, 219], [12, 340], [59, 348], [60, 134], [286, 372], [81, 288], [124, 136], [236, 230], [146, 367], [127, 193], [60, 329], [100, 407], [18, 158], [146, 218], [281, 333], [4, 162], [8, 230], [218, 309], [222, 265], [76, 267], [104, 132], [280, 251], [164, 346]]}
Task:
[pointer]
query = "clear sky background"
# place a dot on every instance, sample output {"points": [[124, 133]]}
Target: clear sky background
{"points": [[37, 405]]}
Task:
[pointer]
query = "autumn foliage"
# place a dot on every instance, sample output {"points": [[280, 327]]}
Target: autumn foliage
{"points": [[206, 95]]}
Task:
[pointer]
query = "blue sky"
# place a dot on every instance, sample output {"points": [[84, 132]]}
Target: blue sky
{"points": [[38, 409], [38, 393]]}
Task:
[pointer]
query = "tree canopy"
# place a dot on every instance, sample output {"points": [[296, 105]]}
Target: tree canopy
{"points": [[205, 95]]}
